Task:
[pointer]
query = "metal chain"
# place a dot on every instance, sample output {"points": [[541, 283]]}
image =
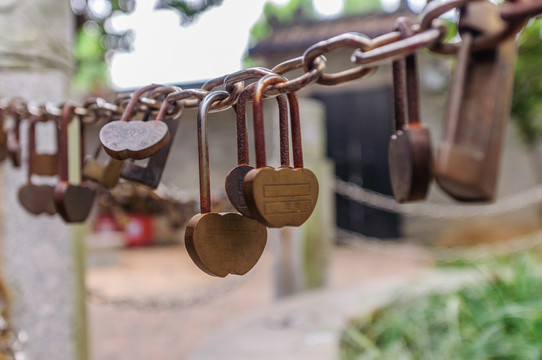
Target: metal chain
{"points": [[367, 55], [159, 304], [511, 203]]}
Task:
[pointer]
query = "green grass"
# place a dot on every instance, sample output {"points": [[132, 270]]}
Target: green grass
{"points": [[499, 319]]}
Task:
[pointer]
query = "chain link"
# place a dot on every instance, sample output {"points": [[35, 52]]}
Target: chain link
{"points": [[511, 203]]}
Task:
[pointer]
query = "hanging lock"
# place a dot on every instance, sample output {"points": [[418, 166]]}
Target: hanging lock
{"points": [[151, 174], [14, 133], [284, 196], [220, 243], [410, 153], [134, 139], [3, 136], [106, 174], [467, 161], [39, 199], [235, 179], [73, 199]]}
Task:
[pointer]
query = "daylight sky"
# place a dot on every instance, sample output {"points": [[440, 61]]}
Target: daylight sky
{"points": [[164, 52]]}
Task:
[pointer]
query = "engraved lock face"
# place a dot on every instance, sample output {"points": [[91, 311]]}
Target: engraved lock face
{"points": [[410, 159], [137, 139], [222, 244], [281, 197], [37, 199], [134, 139]]}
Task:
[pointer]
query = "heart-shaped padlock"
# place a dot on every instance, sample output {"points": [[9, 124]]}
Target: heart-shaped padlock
{"points": [[151, 174], [38, 199], [220, 243], [410, 152], [136, 139], [285, 196], [73, 199], [234, 180]]}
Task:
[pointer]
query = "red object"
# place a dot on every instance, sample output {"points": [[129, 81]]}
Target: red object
{"points": [[105, 223], [139, 231]]}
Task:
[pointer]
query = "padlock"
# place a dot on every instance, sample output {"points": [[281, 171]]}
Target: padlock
{"points": [[3, 135], [284, 196], [14, 142], [151, 174], [410, 152], [235, 178], [106, 174], [73, 198], [134, 139], [37, 199], [467, 161], [220, 243]]}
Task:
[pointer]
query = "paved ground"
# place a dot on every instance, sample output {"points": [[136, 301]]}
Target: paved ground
{"points": [[203, 308]]}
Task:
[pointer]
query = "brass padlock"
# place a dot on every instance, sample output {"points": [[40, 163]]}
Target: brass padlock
{"points": [[73, 199], [284, 196], [410, 152], [467, 161], [134, 139], [220, 243], [234, 180], [151, 174]]}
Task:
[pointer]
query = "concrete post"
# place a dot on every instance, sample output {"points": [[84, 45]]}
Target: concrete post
{"points": [[45, 278]]}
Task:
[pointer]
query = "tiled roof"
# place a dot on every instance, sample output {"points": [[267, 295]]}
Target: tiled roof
{"points": [[298, 37]]}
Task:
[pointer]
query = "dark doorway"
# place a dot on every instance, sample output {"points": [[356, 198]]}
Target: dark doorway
{"points": [[359, 125]]}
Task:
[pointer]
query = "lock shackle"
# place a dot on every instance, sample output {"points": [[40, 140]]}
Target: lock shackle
{"points": [[128, 112], [242, 132], [13, 107], [31, 146], [68, 115], [203, 148], [295, 127], [405, 82]]}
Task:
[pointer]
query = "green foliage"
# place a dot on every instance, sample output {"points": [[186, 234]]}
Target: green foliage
{"points": [[499, 319], [527, 101], [352, 7], [188, 10], [283, 14]]}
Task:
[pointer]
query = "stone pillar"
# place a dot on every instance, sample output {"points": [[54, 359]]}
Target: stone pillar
{"points": [[38, 252]]}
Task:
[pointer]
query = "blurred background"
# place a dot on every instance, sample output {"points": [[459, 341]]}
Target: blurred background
{"points": [[364, 278]]}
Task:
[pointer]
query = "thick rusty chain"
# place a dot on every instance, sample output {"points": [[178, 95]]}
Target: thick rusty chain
{"points": [[367, 55]]}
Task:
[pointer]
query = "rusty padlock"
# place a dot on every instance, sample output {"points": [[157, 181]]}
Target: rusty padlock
{"points": [[106, 174], [234, 180], [467, 161], [14, 133], [284, 196], [410, 152], [220, 243], [38, 199], [73, 198], [151, 174], [3, 135], [134, 139]]}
